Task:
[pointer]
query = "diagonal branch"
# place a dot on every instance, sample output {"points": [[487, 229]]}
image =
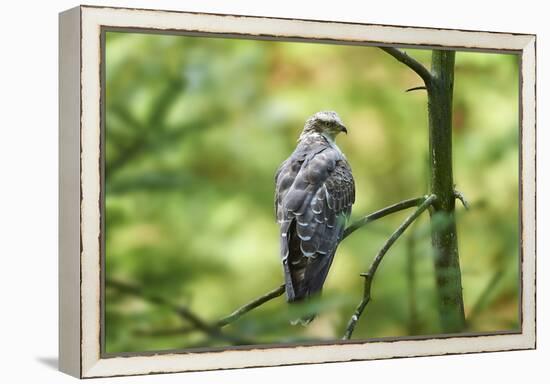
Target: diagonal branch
{"points": [[184, 312], [213, 328], [428, 201], [250, 306], [195, 323], [410, 62], [405, 204]]}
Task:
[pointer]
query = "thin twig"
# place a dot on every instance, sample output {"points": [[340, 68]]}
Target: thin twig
{"points": [[405, 204], [250, 306], [416, 66], [462, 199], [378, 259], [415, 89]]}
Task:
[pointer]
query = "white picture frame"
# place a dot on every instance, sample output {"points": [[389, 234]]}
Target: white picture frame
{"points": [[80, 263]]}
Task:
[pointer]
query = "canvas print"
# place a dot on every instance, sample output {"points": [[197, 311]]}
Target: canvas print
{"points": [[263, 192]]}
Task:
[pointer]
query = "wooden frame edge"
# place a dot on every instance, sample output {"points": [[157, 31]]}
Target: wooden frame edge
{"points": [[69, 192]]}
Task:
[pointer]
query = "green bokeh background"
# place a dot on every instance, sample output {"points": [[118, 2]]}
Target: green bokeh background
{"points": [[195, 129]]}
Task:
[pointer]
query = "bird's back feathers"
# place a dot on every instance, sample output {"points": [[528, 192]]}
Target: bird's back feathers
{"points": [[314, 194]]}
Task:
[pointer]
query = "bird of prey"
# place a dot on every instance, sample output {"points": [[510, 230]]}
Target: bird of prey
{"points": [[314, 192]]}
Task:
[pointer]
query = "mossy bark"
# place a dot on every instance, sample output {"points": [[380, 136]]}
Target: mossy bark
{"points": [[443, 231]]}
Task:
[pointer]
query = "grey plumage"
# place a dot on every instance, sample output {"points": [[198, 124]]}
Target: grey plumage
{"points": [[314, 194]]}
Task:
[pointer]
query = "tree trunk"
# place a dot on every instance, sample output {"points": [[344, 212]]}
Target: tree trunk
{"points": [[443, 231]]}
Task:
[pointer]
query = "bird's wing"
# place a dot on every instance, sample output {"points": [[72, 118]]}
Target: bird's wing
{"points": [[314, 198]]}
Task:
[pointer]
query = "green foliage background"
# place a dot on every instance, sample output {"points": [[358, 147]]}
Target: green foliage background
{"points": [[195, 129]]}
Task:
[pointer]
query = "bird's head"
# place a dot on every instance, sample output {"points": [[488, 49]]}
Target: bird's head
{"points": [[326, 123]]}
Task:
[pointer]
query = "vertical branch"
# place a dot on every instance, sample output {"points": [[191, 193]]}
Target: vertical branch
{"points": [[439, 84], [444, 237]]}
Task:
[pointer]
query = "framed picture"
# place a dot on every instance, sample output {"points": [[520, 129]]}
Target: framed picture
{"points": [[242, 191]]}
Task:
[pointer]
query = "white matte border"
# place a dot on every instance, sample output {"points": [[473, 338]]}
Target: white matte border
{"points": [[92, 18]]}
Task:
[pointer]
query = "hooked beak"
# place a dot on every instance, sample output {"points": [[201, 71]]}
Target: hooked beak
{"points": [[343, 129]]}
